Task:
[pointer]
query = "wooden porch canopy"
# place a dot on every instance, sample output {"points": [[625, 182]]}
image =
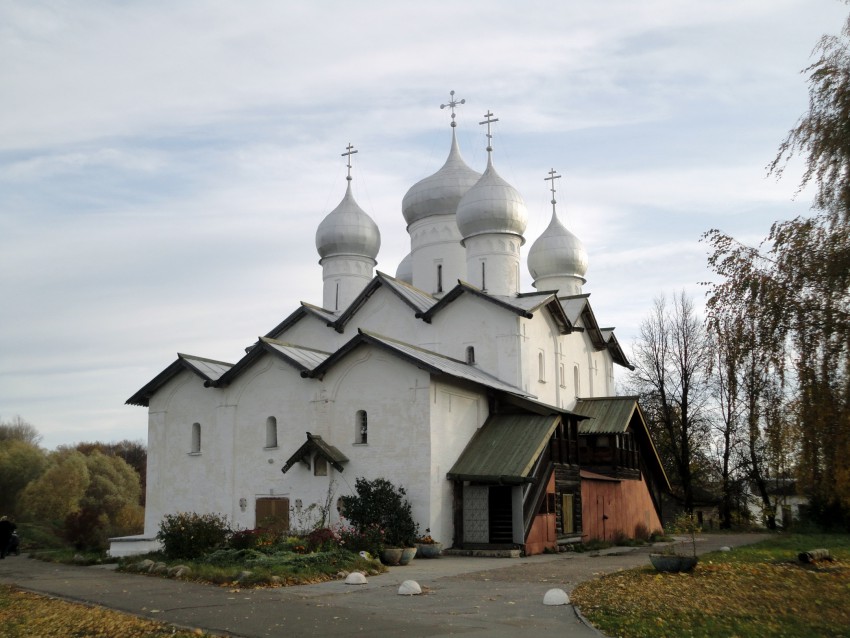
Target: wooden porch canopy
{"points": [[316, 445], [505, 449]]}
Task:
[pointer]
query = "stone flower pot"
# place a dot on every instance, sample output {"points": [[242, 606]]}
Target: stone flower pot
{"points": [[407, 555], [672, 562], [429, 550], [391, 555]]}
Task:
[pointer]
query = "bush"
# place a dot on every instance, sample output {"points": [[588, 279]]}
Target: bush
{"points": [[87, 530], [380, 504], [190, 535], [321, 539]]}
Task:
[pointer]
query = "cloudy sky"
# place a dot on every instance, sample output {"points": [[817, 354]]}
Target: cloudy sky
{"points": [[164, 165]]}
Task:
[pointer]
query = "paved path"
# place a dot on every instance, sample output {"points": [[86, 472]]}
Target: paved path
{"points": [[473, 597]]}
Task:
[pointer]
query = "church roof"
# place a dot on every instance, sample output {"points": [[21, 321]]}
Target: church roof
{"points": [[617, 352], [299, 357], [505, 449], [425, 359], [418, 300], [578, 307], [207, 369]]}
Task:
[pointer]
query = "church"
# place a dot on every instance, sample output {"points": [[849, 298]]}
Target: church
{"points": [[494, 408]]}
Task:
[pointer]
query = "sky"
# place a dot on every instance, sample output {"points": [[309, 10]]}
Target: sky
{"points": [[164, 164]]}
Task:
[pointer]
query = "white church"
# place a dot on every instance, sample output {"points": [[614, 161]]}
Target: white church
{"points": [[494, 408]]}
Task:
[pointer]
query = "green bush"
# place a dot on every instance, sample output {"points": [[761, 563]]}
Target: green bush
{"points": [[187, 535], [87, 529], [380, 504]]}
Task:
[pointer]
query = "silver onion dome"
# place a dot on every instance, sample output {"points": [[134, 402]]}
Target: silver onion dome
{"points": [[348, 230], [404, 272], [557, 253], [491, 206], [440, 193]]}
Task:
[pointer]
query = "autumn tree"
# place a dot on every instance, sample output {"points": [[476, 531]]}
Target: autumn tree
{"points": [[20, 463], [795, 287], [16, 429], [671, 359]]}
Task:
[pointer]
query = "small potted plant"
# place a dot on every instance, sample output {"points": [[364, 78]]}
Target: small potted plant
{"points": [[680, 556], [427, 547]]}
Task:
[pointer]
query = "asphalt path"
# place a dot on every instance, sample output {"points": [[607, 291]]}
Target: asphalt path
{"points": [[473, 597]]}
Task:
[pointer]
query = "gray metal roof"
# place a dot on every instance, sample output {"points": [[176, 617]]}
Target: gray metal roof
{"points": [[206, 368], [307, 358], [418, 299], [527, 302], [315, 444], [573, 307], [326, 315], [445, 365], [504, 449]]}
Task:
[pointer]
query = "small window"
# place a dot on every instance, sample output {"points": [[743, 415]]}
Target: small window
{"points": [[470, 354], [541, 367], [483, 276], [196, 439], [439, 277], [361, 434], [562, 376], [576, 380], [336, 297], [271, 432]]}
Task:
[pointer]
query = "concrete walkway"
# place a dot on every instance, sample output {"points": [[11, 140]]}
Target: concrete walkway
{"points": [[475, 597]]}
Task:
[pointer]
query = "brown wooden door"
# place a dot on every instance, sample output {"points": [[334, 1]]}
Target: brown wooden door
{"points": [[272, 513]]}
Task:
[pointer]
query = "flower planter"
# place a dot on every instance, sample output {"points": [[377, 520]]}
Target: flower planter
{"points": [[391, 555], [429, 550], [407, 555], [672, 562]]}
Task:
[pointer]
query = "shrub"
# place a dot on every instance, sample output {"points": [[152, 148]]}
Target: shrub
{"points": [[87, 530], [369, 539], [382, 504], [321, 539], [190, 535]]}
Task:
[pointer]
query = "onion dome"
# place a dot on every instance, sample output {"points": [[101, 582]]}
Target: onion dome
{"points": [[348, 230], [404, 272], [491, 206], [557, 253], [440, 193]]}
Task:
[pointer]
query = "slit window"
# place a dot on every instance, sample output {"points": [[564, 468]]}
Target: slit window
{"points": [[439, 277], [196, 439], [361, 433], [470, 354], [271, 432]]}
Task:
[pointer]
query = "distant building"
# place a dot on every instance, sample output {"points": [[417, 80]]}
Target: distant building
{"points": [[445, 379]]}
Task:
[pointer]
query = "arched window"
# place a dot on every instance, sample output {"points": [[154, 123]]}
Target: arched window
{"points": [[196, 439], [361, 424], [541, 367], [470, 354], [576, 380], [439, 277], [562, 376], [271, 432]]}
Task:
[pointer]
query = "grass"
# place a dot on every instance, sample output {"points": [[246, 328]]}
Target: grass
{"points": [[24, 615], [755, 591]]}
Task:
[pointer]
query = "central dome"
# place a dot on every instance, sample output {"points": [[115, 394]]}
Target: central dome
{"points": [[348, 230], [440, 193], [491, 206]]}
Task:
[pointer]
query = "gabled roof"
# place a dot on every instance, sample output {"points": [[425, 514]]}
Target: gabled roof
{"points": [[316, 445], [425, 359], [617, 353], [578, 307], [614, 415], [299, 357], [207, 369], [505, 449]]}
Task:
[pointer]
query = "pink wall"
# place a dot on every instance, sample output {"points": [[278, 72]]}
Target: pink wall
{"points": [[625, 503]]}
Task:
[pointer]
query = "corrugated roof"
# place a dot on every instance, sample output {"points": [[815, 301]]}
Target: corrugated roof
{"points": [[419, 300], [325, 315], [207, 368], [609, 415], [504, 449], [446, 365]]}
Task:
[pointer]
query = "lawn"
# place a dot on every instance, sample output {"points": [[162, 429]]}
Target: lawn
{"points": [[24, 615], [755, 591]]}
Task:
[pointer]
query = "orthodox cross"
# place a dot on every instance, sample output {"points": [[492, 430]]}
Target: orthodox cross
{"points": [[452, 104], [552, 177], [349, 151], [490, 119]]}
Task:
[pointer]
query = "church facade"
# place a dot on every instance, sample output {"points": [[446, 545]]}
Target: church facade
{"points": [[494, 408]]}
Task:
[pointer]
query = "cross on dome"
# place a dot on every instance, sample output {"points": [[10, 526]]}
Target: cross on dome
{"points": [[452, 104], [349, 151], [490, 119], [552, 177]]}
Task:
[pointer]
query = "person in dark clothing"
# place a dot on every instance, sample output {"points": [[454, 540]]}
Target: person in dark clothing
{"points": [[6, 529]]}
